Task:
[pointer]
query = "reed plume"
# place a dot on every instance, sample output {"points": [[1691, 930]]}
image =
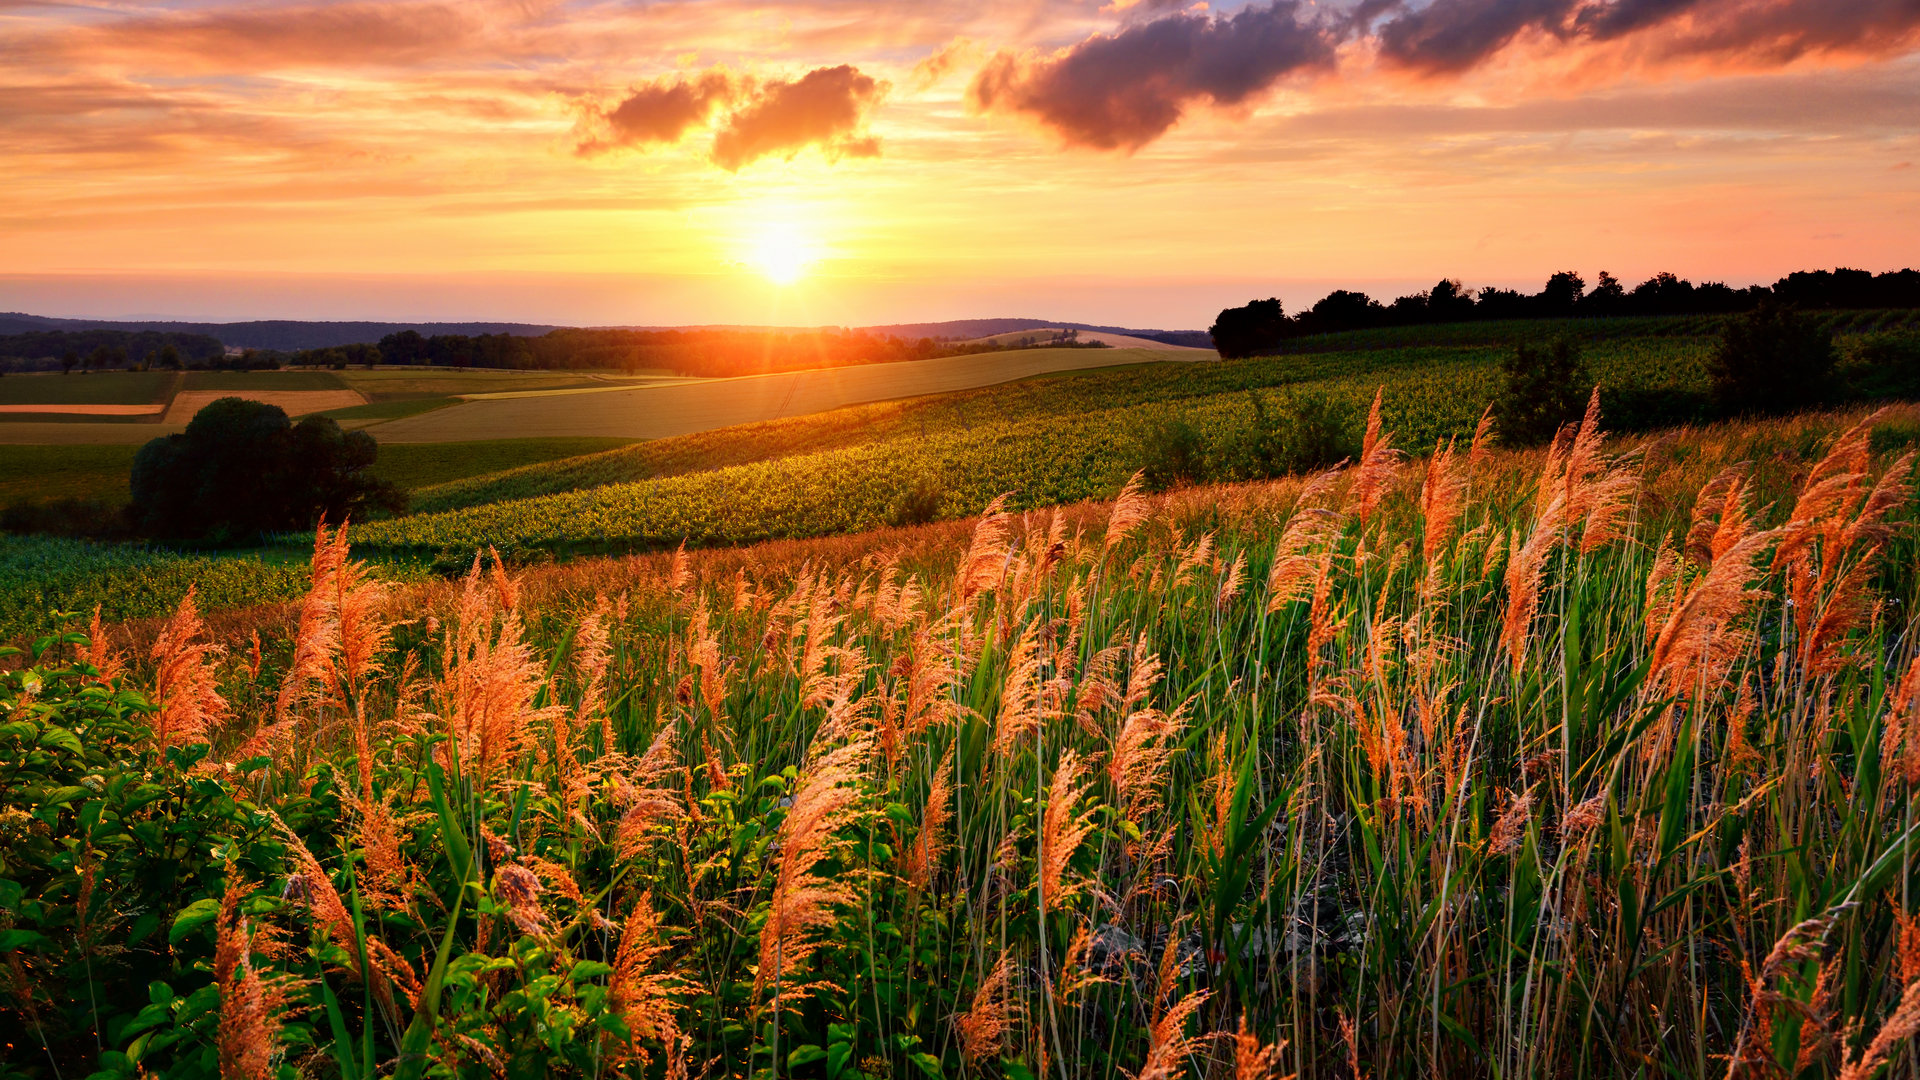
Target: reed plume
{"points": [[1297, 558], [1252, 1059], [641, 994], [990, 1017], [100, 656], [1901, 1025], [1128, 513], [1168, 1044], [1441, 494], [314, 886], [825, 801], [1062, 831], [930, 843], [1525, 573], [254, 1004], [1379, 461], [186, 699]]}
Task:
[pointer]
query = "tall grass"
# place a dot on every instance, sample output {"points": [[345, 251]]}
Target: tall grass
{"points": [[1587, 762]]}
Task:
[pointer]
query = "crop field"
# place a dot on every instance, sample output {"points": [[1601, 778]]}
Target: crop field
{"points": [[1047, 442], [679, 408], [90, 388], [1592, 761]]}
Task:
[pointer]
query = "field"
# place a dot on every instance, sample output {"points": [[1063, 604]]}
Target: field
{"points": [[29, 473], [681, 407], [1046, 441], [1593, 761]]}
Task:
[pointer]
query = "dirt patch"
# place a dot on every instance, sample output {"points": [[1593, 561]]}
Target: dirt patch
{"points": [[86, 410], [296, 402]]}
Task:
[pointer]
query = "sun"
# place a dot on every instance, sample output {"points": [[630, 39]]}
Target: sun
{"points": [[783, 253]]}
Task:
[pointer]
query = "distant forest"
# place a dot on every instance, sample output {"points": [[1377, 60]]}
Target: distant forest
{"points": [[100, 349], [1260, 326]]}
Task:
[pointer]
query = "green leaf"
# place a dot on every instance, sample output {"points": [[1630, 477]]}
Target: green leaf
{"points": [[805, 1055], [193, 917], [11, 940], [928, 1064], [590, 969], [63, 739]]}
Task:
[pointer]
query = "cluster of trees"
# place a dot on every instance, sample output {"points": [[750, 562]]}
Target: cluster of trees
{"points": [[243, 470], [103, 350], [1262, 325]]}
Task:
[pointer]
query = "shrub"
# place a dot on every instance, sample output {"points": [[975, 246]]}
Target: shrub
{"points": [[919, 504], [1299, 433], [1771, 360], [1175, 453], [1885, 365], [242, 469], [1545, 388]]}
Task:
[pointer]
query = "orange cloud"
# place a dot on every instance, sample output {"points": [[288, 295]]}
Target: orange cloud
{"points": [[826, 108]]}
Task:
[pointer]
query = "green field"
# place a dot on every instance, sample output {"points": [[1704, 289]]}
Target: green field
{"points": [[413, 466], [33, 473], [88, 388], [242, 381], [1045, 441]]}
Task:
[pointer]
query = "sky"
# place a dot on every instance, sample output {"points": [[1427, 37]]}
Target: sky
{"points": [[1133, 162]]}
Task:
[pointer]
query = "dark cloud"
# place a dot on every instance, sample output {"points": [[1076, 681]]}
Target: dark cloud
{"points": [[1773, 32], [826, 107], [662, 111], [1125, 90], [1605, 21], [1455, 35], [1452, 36]]}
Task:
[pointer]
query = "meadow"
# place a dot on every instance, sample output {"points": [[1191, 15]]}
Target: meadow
{"points": [[1596, 760]]}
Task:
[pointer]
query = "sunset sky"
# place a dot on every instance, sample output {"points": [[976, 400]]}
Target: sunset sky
{"points": [[821, 161]]}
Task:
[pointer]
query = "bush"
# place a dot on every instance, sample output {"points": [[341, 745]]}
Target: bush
{"points": [[1175, 453], [1881, 366], [919, 504], [242, 470], [1545, 388], [1299, 433], [1771, 360]]}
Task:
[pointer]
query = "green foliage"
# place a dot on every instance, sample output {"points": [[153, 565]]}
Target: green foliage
{"points": [[243, 470], [43, 575], [1545, 388], [1173, 452], [920, 503], [1772, 360]]}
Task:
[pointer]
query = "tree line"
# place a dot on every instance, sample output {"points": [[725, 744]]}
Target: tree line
{"points": [[107, 349], [1261, 325]]}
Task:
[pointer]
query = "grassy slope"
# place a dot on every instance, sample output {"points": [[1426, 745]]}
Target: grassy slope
{"points": [[1045, 442]]}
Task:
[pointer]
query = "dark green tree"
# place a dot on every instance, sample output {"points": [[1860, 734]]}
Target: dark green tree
{"points": [[1773, 359], [1545, 388], [1253, 330], [242, 470]]}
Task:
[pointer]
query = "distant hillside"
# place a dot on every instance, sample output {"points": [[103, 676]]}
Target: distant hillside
{"points": [[285, 335], [289, 335]]}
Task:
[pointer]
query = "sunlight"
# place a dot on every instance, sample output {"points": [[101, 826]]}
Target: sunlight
{"points": [[783, 253]]}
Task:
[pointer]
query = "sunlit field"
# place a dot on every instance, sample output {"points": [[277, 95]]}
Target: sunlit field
{"points": [[1591, 761]]}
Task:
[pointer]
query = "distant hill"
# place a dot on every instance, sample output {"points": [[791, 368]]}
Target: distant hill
{"points": [[285, 335], [288, 335]]}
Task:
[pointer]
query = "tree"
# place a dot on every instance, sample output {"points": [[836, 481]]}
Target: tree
{"points": [[1545, 388], [1257, 328], [67, 360], [1606, 297], [1449, 301], [405, 347], [243, 470], [1773, 359], [170, 357], [1562, 293]]}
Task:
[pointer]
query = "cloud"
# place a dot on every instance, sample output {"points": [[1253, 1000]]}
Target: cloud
{"points": [[328, 35], [661, 111], [826, 107], [1122, 91], [1453, 36]]}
